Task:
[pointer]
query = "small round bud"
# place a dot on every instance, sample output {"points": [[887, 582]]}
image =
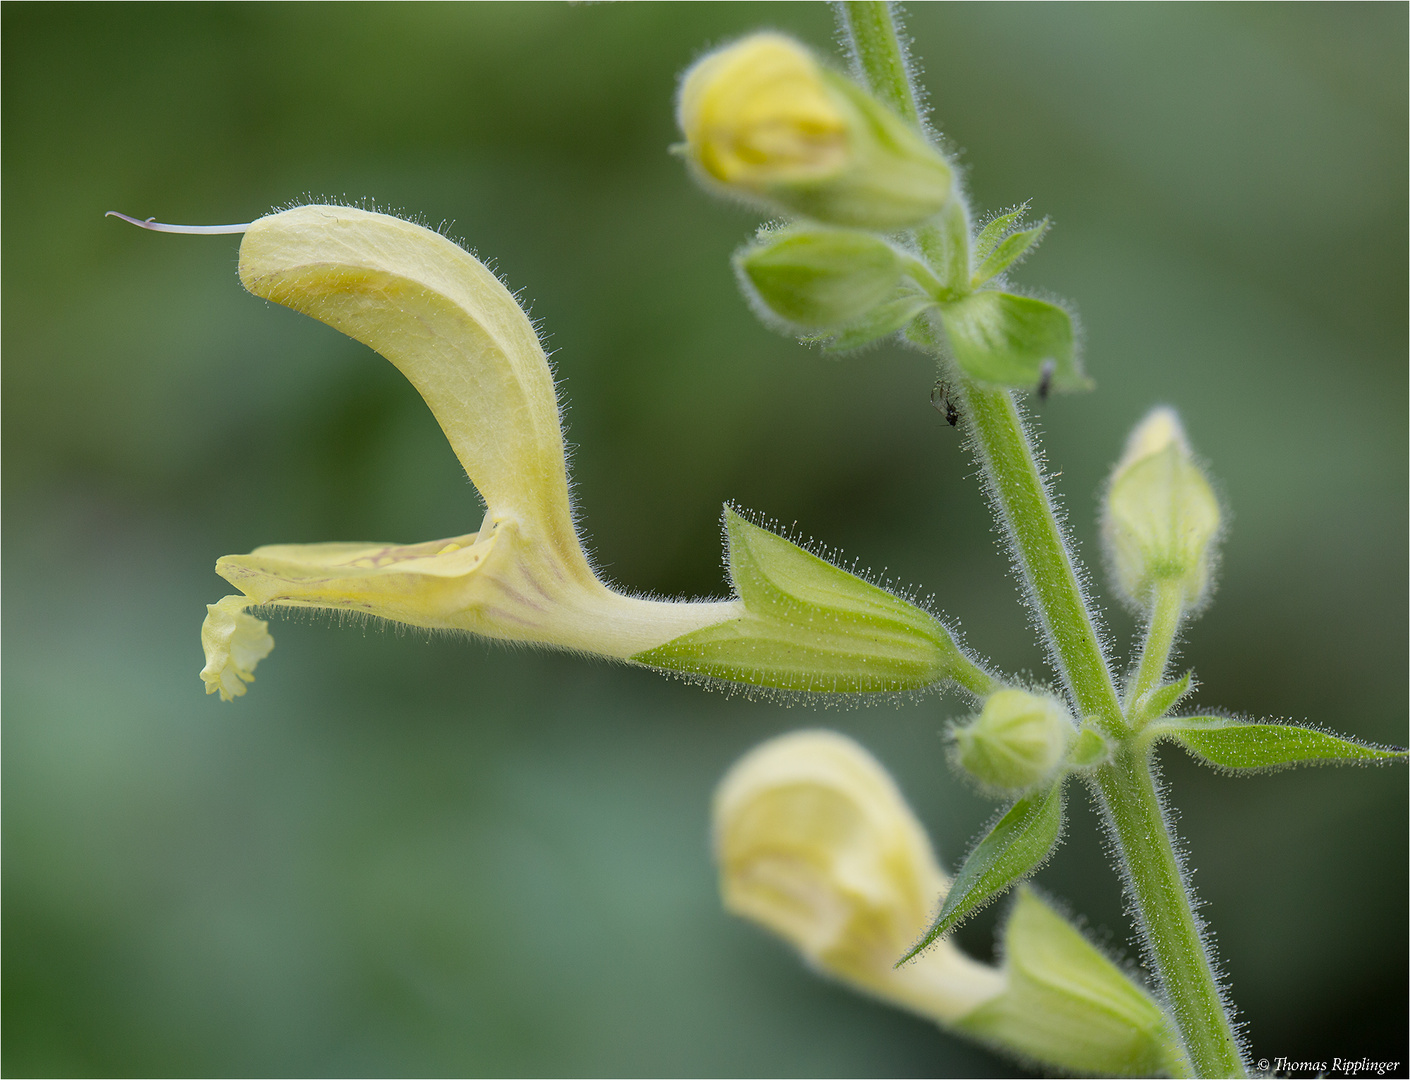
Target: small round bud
{"points": [[1016, 741], [819, 279], [1160, 518], [764, 119]]}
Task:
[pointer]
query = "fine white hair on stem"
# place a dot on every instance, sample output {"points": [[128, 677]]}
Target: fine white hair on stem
{"points": [[195, 230]]}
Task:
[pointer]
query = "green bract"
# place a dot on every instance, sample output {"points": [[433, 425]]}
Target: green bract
{"points": [[819, 279], [1017, 845], [1013, 340], [1005, 251], [810, 626]]}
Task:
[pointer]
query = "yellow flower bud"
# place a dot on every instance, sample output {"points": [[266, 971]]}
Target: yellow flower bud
{"points": [[1160, 518], [1016, 741], [759, 113], [815, 842], [764, 119]]}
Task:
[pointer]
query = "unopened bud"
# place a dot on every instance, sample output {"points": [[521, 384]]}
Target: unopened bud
{"points": [[1161, 518], [1016, 741], [820, 279], [763, 118]]}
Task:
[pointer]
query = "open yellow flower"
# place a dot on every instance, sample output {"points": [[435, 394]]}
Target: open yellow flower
{"points": [[815, 842], [458, 334]]}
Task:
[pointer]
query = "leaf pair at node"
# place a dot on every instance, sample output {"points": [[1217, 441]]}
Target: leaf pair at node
{"points": [[847, 289], [1028, 832]]}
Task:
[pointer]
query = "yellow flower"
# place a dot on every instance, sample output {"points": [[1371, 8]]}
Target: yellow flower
{"points": [[759, 113], [764, 120], [815, 842], [457, 333]]}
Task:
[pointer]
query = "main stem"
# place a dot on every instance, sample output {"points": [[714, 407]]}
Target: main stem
{"points": [[1125, 787], [1163, 912]]}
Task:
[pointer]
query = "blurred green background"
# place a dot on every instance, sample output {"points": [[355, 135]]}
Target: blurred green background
{"points": [[402, 856]]}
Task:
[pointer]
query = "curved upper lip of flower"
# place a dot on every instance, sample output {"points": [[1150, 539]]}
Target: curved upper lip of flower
{"points": [[458, 334]]}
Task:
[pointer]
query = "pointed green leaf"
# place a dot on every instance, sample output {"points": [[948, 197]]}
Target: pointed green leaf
{"points": [[878, 323], [1016, 846], [998, 227], [1005, 339], [1009, 251], [811, 626], [1155, 703], [1238, 744]]}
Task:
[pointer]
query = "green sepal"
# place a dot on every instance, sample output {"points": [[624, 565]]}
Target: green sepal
{"points": [[1065, 1004], [1089, 749], [1000, 338], [878, 323], [1015, 847], [1009, 251], [810, 626], [819, 278], [895, 179], [1243, 746], [1155, 703]]}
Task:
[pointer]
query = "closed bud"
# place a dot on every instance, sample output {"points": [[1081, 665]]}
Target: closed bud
{"points": [[819, 279], [1161, 519], [764, 119], [1016, 741]]}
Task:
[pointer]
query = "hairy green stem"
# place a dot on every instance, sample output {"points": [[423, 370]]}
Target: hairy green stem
{"points": [[968, 675], [881, 62], [1167, 607], [1125, 787], [1027, 512], [1167, 922]]}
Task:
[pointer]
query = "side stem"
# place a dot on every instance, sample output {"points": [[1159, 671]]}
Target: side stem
{"points": [[1167, 607]]}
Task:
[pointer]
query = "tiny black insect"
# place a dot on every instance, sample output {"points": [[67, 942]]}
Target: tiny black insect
{"points": [[1045, 379], [940, 398]]}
